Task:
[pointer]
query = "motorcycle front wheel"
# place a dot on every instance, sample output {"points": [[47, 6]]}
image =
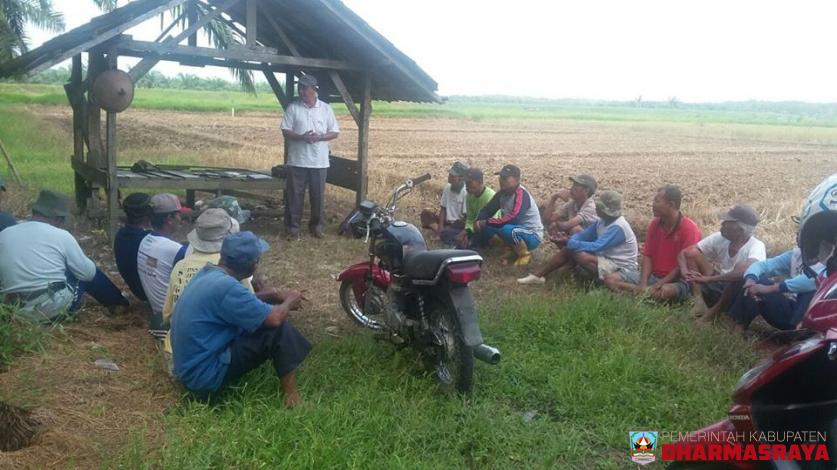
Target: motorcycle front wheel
{"points": [[449, 356], [354, 307]]}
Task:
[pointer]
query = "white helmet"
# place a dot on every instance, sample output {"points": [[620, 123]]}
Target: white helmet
{"points": [[818, 222]]}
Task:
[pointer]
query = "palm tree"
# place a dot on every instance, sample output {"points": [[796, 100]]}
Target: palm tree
{"points": [[15, 14]]}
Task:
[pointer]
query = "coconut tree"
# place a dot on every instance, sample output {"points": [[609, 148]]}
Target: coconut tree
{"points": [[16, 14]]}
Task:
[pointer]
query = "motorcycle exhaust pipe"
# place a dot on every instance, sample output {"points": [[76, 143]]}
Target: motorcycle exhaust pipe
{"points": [[488, 354]]}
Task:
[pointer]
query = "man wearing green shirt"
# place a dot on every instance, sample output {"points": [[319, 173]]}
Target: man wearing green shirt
{"points": [[478, 196]]}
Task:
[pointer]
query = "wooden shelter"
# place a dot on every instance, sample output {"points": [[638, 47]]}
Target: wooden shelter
{"points": [[352, 62]]}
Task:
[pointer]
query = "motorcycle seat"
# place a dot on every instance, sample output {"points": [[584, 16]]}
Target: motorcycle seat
{"points": [[425, 264]]}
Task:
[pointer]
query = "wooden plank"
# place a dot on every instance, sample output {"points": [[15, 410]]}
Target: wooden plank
{"points": [[252, 22], [100, 37], [343, 172], [146, 64], [155, 52], [363, 139], [203, 184]]}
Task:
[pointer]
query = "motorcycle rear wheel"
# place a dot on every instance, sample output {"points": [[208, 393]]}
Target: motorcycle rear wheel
{"points": [[351, 305], [453, 354]]}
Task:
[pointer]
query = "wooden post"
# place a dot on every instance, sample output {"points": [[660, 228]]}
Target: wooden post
{"points": [[363, 138], [95, 147], [192, 18], [289, 97], [75, 94], [252, 22], [113, 184]]}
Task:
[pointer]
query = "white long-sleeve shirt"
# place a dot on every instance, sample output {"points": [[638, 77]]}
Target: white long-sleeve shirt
{"points": [[35, 254]]}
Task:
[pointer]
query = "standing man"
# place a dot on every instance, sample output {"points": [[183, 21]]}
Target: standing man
{"points": [[578, 211], [518, 226], [669, 233], [715, 266], [6, 219], [308, 125], [157, 255]]}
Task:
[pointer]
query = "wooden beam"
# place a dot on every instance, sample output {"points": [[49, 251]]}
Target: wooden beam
{"points": [[347, 97], [192, 17], [286, 40], [100, 37], [156, 52], [112, 150], [276, 87], [75, 95], [363, 139], [141, 68], [95, 147], [171, 26], [252, 22]]}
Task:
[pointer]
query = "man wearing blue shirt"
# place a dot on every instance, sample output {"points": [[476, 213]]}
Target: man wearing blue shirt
{"points": [[604, 248], [220, 330], [780, 303]]}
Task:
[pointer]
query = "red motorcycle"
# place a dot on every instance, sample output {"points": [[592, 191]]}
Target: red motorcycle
{"points": [[415, 296], [795, 389]]}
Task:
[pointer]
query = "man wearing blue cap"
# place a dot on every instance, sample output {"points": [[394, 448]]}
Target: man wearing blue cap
{"points": [[220, 330]]}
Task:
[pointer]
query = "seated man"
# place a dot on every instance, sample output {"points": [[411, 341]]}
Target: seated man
{"points": [[126, 243], [44, 270], [518, 226], [220, 330], [157, 255], [781, 303], [6, 219], [608, 247], [478, 196], [669, 233], [450, 220], [579, 210], [715, 266]]}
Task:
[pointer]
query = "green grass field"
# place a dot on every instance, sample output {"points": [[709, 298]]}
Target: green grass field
{"points": [[580, 368]]}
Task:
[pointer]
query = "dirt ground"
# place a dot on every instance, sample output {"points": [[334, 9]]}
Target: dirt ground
{"points": [[89, 415]]}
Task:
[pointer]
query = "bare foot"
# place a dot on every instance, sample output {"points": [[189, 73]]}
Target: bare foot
{"points": [[292, 400], [708, 316], [699, 310]]}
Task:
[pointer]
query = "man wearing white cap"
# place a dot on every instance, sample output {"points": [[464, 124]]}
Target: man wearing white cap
{"points": [[157, 255], [307, 125]]}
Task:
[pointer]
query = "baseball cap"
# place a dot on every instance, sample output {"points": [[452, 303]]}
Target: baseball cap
{"points": [[165, 203], [211, 228], [137, 203], [585, 180], [474, 174], [307, 80], [458, 169], [509, 170], [743, 213], [241, 249], [609, 203]]}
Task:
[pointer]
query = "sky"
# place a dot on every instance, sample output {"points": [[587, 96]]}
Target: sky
{"points": [[695, 51]]}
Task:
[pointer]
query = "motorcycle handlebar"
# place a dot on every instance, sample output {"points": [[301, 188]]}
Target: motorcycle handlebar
{"points": [[421, 179]]}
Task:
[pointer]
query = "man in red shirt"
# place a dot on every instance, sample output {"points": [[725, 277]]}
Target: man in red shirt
{"points": [[668, 234]]}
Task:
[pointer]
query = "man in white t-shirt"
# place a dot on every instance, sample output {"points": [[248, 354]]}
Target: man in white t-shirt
{"points": [[157, 255], [449, 220], [715, 266], [307, 125]]}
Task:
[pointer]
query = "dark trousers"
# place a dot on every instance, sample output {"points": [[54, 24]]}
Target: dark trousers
{"points": [[100, 288], [776, 309], [284, 346], [297, 180]]}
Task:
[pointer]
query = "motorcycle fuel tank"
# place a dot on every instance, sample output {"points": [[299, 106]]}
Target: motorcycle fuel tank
{"points": [[397, 240]]}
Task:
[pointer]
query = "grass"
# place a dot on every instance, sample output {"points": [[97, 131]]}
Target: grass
{"points": [[459, 108], [18, 337], [586, 372]]}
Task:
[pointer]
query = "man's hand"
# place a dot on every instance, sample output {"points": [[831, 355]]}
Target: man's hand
{"points": [[560, 239], [563, 195], [311, 137], [697, 276], [291, 298], [462, 238], [758, 290], [479, 225], [748, 283]]}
